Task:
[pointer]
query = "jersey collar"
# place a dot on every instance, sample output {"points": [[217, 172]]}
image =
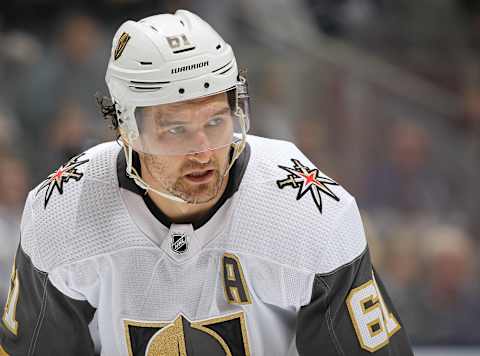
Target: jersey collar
{"points": [[235, 178]]}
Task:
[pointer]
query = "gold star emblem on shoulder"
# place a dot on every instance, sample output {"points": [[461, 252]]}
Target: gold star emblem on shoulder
{"points": [[61, 176]]}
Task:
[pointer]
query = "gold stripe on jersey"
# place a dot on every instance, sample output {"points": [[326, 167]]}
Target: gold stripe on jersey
{"points": [[9, 315], [3, 352]]}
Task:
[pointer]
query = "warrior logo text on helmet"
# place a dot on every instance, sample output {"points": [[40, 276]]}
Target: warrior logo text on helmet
{"points": [[189, 67]]}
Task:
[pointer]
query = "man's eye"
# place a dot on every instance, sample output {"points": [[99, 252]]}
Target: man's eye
{"points": [[176, 130], [215, 121]]}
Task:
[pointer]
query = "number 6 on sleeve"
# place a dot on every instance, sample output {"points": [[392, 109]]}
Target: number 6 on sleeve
{"points": [[372, 321]]}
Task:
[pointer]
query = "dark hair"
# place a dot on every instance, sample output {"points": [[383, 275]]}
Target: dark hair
{"points": [[108, 110], [232, 99]]}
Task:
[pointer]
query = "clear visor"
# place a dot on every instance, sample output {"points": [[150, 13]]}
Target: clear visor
{"points": [[193, 126]]}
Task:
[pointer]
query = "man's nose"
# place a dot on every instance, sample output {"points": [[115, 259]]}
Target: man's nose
{"points": [[202, 157], [202, 151]]}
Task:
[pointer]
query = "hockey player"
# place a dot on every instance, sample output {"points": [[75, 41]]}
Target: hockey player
{"points": [[188, 237]]}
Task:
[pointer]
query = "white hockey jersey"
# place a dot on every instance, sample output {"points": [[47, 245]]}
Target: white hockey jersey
{"points": [[279, 267]]}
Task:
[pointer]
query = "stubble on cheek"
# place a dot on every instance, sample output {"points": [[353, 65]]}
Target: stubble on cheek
{"points": [[176, 184], [157, 170]]}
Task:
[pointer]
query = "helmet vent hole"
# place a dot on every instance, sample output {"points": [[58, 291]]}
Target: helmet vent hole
{"points": [[182, 23], [181, 90], [153, 28], [206, 85], [146, 63], [219, 46]]}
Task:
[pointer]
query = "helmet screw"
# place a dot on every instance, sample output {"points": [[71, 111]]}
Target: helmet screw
{"points": [[206, 85], [181, 90]]}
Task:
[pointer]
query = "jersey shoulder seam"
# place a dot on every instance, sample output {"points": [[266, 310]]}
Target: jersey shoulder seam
{"points": [[333, 335], [329, 321], [345, 265]]}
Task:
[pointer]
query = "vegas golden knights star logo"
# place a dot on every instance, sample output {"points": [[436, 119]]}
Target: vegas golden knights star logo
{"points": [[306, 180], [122, 42], [69, 171], [222, 336]]}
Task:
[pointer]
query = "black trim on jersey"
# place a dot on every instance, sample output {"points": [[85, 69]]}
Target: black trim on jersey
{"points": [[123, 181], [325, 323], [235, 178], [49, 322]]}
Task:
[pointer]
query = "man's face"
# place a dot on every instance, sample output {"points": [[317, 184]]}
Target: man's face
{"points": [[201, 127]]}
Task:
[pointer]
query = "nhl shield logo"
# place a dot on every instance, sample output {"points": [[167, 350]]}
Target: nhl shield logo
{"points": [[179, 243]]}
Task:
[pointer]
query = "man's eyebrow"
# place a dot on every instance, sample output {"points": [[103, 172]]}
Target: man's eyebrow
{"points": [[223, 110], [166, 120], [163, 122]]}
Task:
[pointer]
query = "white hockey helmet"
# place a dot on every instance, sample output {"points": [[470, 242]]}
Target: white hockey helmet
{"points": [[165, 59]]}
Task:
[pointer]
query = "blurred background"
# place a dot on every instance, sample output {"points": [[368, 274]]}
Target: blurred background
{"points": [[383, 95]]}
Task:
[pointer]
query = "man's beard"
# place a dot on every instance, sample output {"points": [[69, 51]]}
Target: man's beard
{"points": [[181, 188], [198, 193]]}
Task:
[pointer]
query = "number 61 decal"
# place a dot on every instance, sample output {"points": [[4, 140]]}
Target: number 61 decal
{"points": [[9, 315], [373, 323]]}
